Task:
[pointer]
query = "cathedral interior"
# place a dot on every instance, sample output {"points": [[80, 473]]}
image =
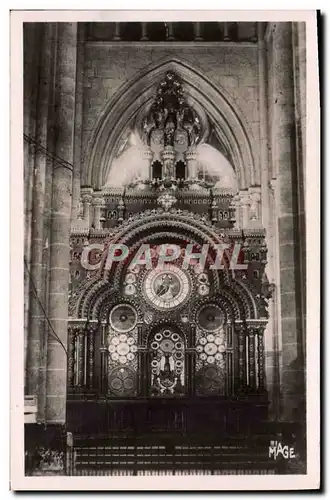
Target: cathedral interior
{"points": [[153, 134]]}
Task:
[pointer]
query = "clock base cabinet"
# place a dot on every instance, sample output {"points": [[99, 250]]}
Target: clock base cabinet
{"points": [[168, 418]]}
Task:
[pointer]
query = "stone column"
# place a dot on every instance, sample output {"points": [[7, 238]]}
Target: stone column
{"points": [[285, 163], [36, 324], [87, 198], [268, 215], [61, 215], [97, 205], [191, 159], [31, 43], [78, 123], [263, 128], [299, 62]]}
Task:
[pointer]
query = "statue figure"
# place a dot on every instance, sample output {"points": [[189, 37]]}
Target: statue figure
{"points": [[169, 130], [147, 126], [179, 117], [157, 134]]}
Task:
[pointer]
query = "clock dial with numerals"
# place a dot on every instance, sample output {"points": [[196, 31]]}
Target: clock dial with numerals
{"points": [[167, 287]]}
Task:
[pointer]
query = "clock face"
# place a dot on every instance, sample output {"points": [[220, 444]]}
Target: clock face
{"points": [[166, 288]]}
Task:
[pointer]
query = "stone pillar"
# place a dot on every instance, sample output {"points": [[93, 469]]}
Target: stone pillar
{"points": [[191, 159], [87, 198], [61, 215], [97, 205], [285, 163], [299, 62], [78, 123], [268, 215], [36, 324], [263, 128], [144, 32], [31, 44], [197, 32]]}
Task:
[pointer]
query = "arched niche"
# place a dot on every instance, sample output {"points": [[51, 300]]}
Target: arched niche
{"points": [[166, 362], [230, 126]]}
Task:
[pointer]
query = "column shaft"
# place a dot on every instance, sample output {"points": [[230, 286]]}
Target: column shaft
{"points": [[31, 43], [36, 327], [78, 122], [47, 229], [263, 129], [61, 215], [285, 160]]}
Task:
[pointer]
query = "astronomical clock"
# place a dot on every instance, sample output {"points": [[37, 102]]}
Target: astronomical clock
{"points": [[140, 334]]}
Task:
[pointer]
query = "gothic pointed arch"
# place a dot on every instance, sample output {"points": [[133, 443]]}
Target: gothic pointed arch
{"points": [[228, 120]]}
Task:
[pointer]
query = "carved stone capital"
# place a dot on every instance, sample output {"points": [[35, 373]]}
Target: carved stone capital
{"points": [[86, 194], [87, 198], [97, 201]]}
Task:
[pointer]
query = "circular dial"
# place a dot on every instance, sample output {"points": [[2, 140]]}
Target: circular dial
{"points": [[167, 345], [123, 318], [210, 349], [122, 381], [130, 290], [210, 318], [166, 288]]}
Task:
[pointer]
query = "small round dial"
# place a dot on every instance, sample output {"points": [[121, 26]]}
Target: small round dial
{"points": [[210, 349]]}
